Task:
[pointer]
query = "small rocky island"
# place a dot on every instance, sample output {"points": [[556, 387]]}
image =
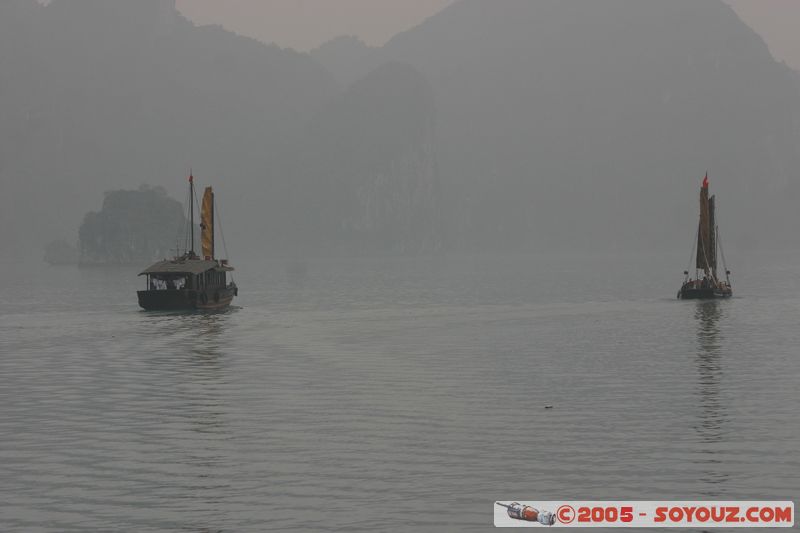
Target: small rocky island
{"points": [[133, 227]]}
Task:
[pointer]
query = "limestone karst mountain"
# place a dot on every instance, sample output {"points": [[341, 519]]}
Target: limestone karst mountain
{"points": [[585, 122]]}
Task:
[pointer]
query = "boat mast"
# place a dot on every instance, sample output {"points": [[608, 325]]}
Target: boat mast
{"points": [[712, 237], [191, 211]]}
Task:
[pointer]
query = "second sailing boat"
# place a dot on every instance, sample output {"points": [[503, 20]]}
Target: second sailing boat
{"points": [[709, 286]]}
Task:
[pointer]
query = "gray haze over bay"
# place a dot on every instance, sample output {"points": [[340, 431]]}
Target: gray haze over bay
{"points": [[434, 239], [508, 125]]}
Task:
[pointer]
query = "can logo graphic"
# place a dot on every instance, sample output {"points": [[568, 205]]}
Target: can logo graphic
{"points": [[527, 513], [676, 514]]}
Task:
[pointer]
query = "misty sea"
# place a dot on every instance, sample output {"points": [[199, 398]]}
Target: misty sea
{"points": [[393, 394]]}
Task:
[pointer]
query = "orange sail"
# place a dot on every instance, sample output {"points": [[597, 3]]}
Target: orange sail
{"points": [[207, 223]]}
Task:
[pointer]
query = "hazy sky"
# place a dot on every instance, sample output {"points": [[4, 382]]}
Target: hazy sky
{"points": [[305, 24], [778, 22]]}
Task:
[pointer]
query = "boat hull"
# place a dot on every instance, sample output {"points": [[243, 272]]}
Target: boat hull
{"points": [[176, 300], [708, 293]]}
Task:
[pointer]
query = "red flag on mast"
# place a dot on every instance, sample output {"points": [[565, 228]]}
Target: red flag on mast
{"points": [[705, 181]]}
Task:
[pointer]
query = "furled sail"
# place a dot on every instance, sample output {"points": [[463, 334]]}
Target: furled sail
{"points": [[704, 231], [712, 239], [207, 223]]}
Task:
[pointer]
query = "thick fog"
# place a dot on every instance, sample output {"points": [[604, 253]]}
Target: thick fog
{"points": [[511, 125]]}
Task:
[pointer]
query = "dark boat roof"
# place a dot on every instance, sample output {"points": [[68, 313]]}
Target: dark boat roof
{"points": [[185, 266]]}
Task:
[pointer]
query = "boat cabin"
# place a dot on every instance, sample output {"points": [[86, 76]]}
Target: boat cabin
{"points": [[187, 274], [187, 282]]}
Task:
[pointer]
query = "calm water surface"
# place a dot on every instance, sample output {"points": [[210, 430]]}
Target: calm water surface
{"points": [[393, 394]]}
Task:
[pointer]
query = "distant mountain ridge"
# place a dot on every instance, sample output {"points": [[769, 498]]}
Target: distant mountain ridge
{"points": [[501, 124], [368, 166], [104, 94], [609, 110]]}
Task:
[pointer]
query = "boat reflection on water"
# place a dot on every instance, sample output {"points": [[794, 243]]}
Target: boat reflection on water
{"points": [[189, 422], [708, 314], [198, 335], [205, 368], [192, 366], [713, 411]]}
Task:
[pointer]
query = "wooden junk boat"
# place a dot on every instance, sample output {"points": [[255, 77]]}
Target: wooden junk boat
{"points": [[190, 281], [707, 245]]}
